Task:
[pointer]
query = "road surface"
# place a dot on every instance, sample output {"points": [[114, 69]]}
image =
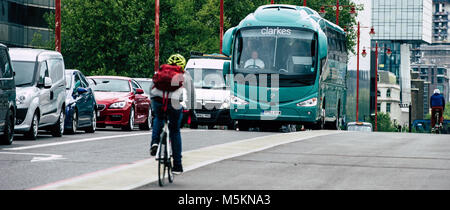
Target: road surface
{"points": [[231, 160]]}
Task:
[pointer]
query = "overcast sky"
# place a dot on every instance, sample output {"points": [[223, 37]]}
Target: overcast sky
{"points": [[365, 17]]}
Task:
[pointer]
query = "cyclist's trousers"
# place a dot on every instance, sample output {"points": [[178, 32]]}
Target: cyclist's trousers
{"points": [[440, 111], [174, 117]]}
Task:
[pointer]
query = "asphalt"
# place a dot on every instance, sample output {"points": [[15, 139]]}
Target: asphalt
{"points": [[231, 160], [343, 161], [23, 165]]}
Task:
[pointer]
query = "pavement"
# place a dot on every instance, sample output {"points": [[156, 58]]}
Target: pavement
{"points": [[343, 161]]}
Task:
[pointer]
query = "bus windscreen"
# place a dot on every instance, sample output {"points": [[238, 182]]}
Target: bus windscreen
{"points": [[289, 52]]}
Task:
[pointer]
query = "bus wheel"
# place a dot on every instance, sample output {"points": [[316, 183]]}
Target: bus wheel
{"points": [[321, 123], [338, 122], [243, 126]]}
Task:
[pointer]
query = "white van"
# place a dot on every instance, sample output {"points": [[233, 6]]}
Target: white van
{"points": [[41, 91], [212, 93]]}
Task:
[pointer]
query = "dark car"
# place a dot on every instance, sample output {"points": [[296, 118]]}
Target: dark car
{"points": [[81, 109], [121, 103], [7, 98]]}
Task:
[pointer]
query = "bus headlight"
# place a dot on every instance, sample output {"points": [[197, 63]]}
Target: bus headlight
{"points": [[238, 101], [308, 103]]}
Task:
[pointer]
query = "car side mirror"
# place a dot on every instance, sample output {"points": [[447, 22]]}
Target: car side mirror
{"points": [[81, 90], [48, 82], [139, 91]]}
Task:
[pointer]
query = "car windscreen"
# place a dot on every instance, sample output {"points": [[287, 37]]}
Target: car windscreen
{"points": [[111, 85], [207, 78], [24, 73]]}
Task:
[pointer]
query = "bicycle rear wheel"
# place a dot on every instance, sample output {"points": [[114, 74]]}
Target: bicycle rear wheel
{"points": [[169, 170], [162, 160]]}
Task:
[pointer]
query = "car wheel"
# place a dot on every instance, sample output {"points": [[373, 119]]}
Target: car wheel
{"points": [[74, 127], [148, 123], [193, 125], [8, 136], [33, 132], [93, 127], [58, 128], [130, 125]]}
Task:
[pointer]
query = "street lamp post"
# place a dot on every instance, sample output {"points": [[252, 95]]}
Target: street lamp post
{"points": [[388, 53], [221, 25], [58, 25], [337, 7], [156, 35], [358, 33]]}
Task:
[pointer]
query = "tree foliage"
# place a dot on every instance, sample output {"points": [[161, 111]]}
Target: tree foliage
{"points": [[384, 123], [116, 37]]}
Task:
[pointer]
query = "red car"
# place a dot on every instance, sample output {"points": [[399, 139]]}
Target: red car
{"points": [[121, 103]]}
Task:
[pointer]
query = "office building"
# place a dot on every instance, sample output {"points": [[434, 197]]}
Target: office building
{"points": [[436, 75], [399, 25], [21, 21]]}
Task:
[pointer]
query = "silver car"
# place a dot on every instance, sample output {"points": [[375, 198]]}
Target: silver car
{"points": [[359, 126], [41, 92]]}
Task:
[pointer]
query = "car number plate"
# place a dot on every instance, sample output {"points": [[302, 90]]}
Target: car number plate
{"points": [[272, 113], [203, 115]]}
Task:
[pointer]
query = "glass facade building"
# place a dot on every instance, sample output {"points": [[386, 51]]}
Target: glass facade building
{"points": [[402, 20], [400, 25], [23, 20]]}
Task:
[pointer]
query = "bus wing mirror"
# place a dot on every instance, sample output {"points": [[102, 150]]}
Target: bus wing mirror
{"points": [[227, 41]]}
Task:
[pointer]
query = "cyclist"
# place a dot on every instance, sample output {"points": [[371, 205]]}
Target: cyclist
{"points": [[437, 103], [176, 100]]}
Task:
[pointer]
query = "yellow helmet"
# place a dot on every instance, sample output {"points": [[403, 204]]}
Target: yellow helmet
{"points": [[177, 59]]}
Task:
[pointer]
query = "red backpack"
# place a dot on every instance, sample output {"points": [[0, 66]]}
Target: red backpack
{"points": [[166, 75]]}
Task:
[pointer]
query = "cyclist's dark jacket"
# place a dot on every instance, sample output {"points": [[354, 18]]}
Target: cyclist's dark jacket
{"points": [[437, 100]]}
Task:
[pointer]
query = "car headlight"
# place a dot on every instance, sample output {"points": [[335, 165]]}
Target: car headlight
{"points": [[118, 105], [308, 103], [20, 99], [238, 101]]}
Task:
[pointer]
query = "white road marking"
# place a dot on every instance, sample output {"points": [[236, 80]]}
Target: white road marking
{"points": [[74, 141], [140, 173], [86, 140], [47, 157]]}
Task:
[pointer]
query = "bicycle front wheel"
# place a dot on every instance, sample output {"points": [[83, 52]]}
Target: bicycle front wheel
{"points": [[162, 159], [169, 170]]}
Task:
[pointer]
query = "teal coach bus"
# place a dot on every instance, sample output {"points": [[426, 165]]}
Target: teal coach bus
{"points": [[289, 67]]}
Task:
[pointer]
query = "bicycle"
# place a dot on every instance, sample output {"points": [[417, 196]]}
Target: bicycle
{"points": [[164, 155], [437, 127]]}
